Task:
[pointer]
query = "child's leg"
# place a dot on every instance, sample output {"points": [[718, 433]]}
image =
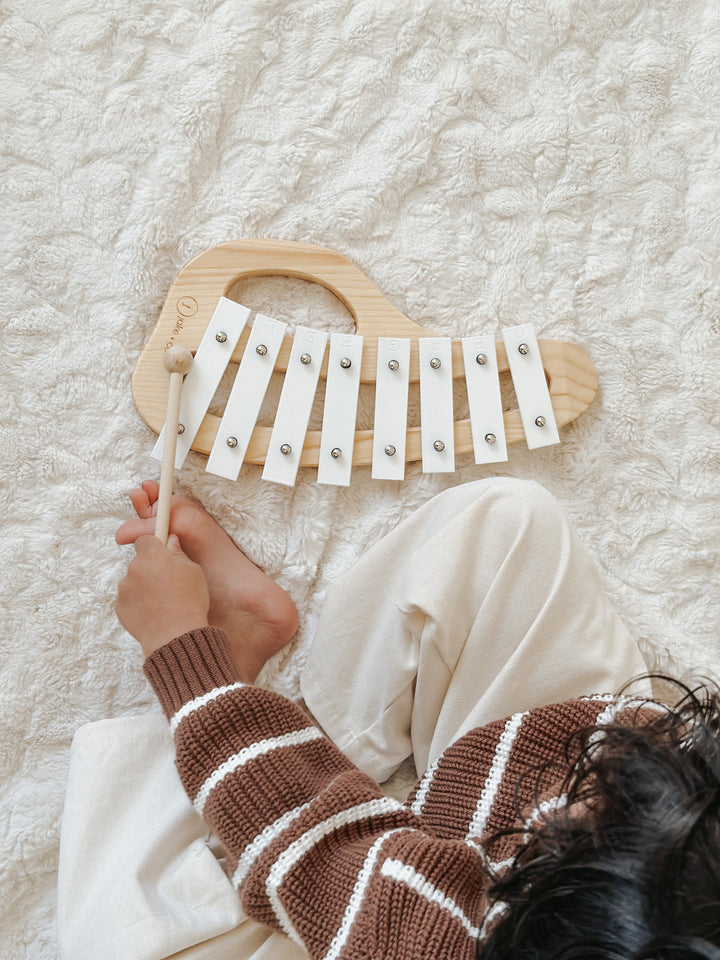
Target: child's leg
{"points": [[482, 603], [138, 878]]}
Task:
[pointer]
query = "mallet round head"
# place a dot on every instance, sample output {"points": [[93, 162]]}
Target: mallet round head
{"points": [[177, 360]]}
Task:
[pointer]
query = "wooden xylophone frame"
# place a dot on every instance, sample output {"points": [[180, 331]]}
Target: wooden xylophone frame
{"points": [[194, 294]]}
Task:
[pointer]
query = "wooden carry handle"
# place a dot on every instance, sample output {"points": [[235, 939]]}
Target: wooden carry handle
{"points": [[195, 291]]}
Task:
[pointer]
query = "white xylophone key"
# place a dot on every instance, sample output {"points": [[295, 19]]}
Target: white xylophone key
{"points": [[391, 406], [295, 406], [340, 410], [484, 400], [531, 387], [212, 357], [246, 397], [437, 430]]}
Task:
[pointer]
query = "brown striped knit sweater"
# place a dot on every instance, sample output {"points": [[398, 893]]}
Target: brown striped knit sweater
{"points": [[314, 848]]}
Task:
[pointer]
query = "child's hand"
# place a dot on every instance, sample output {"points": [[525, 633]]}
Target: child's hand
{"points": [[163, 595]]}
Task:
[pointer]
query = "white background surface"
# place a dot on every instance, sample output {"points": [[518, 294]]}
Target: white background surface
{"points": [[486, 164]]}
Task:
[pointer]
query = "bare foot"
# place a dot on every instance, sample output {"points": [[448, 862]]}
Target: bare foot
{"points": [[257, 615]]}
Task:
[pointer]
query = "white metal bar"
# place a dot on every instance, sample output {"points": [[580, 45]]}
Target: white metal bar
{"points": [[296, 399], [484, 400], [246, 397], [340, 411], [391, 404], [212, 357], [437, 429], [531, 387]]}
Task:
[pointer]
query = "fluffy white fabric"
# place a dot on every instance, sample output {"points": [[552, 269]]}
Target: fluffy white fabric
{"points": [[553, 161]]}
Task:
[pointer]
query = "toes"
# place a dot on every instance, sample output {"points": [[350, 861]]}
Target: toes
{"points": [[152, 490], [132, 529], [142, 503]]}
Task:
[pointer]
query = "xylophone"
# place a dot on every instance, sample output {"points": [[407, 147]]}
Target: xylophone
{"points": [[554, 381]]}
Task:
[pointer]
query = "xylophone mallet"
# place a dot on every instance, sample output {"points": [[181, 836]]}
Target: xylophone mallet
{"points": [[177, 362]]}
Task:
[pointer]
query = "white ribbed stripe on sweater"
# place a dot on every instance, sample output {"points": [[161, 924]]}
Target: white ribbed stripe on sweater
{"points": [[498, 908], [358, 895], [495, 775], [192, 705], [262, 841], [422, 792], [297, 850], [498, 865], [418, 883], [551, 805], [293, 739], [616, 706]]}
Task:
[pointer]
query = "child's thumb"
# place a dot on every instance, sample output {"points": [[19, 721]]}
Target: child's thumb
{"points": [[173, 544]]}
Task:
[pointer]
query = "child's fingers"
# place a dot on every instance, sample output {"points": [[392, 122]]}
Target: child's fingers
{"points": [[175, 547], [147, 543]]}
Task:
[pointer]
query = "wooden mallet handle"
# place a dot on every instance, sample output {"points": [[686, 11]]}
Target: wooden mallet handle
{"points": [[177, 361]]}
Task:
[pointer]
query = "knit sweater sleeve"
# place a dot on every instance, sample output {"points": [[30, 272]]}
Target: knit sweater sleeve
{"points": [[314, 848], [512, 772]]}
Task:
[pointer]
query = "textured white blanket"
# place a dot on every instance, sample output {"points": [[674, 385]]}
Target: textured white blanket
{"points": [[553, 161]]}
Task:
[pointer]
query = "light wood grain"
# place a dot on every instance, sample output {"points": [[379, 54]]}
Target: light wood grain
{"points": [[176, 361], [194, 294]]}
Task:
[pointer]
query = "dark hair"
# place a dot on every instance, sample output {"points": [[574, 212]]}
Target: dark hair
{"points": [[629, 866]]}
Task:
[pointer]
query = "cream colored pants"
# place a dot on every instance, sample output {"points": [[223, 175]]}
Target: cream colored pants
{"points": [[482, 603]]}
